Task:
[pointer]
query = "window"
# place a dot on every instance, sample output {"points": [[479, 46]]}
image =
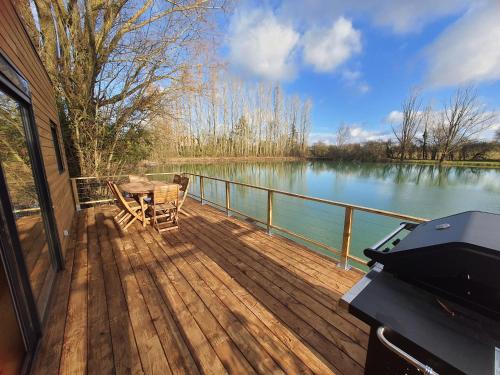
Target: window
{"points": [[57, 147], [13, 75]]}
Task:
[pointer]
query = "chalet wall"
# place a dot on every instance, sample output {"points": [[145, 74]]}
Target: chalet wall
{"points": [[16, 44]]}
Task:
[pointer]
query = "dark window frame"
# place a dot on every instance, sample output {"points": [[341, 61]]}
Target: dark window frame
{"points": [[57, 147]]}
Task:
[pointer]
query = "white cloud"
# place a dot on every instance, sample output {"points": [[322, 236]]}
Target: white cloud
{"points": [[469, 50], [401, 16], [410, 16], [357, 134], [394, 117], [262, 45], [353, 79], [327, 48], [490, 133]]}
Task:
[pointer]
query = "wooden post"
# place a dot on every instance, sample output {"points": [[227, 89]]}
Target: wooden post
{"points": [[75, 194], [269, 211], [202, 194], [346, 240], [228, 198]]}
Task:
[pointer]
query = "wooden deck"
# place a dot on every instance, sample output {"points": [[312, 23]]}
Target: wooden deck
{"points": [[218, 296]]}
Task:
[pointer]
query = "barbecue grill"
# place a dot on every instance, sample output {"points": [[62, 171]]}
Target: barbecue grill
{"points": [[432, 298]]}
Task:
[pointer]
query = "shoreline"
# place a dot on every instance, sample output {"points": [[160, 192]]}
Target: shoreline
{"points": [[210, 159], [448, 163], [250, 159]]}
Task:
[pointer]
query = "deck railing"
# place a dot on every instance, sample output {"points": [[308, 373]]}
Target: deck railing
{"points": [[93, 190]]}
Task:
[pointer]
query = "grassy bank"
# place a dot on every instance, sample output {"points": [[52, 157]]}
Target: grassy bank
{"points": [[454, 163], [207, 160], [447, 163], [211, 159]]}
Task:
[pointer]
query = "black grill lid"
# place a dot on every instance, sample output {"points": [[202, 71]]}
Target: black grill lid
{"points": [[480, 229], [457, 257]]}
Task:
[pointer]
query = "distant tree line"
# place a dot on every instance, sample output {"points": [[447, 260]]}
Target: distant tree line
{"points": [[450, 133], [225, 116]]}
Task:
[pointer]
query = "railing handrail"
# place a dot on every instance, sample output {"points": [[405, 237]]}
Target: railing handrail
{"points": [[392, 214], [343, 253]]}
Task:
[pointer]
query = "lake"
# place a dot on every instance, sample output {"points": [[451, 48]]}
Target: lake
{"points": [[417, 190]]}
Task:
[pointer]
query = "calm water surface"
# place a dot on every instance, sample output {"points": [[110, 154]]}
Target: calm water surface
{"points": [[425, 191]]}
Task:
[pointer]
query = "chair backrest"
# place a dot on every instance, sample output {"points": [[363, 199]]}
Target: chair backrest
{"points": [[111, 187], [184, 188], [121, 200], [164, 194], [177, 179], [137, 178], [184, 182]]}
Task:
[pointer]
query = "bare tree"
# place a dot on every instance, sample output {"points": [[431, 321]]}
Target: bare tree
{"points": [[406, 131], [227, 116], [305, 126], [111, 61], [343, 135], [463, 118]]}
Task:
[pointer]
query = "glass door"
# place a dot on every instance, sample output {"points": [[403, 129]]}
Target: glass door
{"points": [[19, 179]]}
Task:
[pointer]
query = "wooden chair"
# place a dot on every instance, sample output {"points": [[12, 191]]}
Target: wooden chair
{"points": [[132, 202], [184, 182], [137, 178], [112, 190], [130, 209], [165, 207]]}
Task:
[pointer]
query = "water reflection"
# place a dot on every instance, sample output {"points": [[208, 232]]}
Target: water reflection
{"points": [[426, 175], [16, 165], [419, 190]]}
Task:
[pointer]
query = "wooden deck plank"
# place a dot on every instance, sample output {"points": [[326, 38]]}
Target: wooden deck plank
{"points": [[346, 336], [216, 296], [74, 350], [226, 350], [151, 353], [177, 352], [125, 352], [49, 352], [259, 330], [247, 344], [317, 266], [286, 273], [324, 279], [99, 342], [291, 311], [201, 349], [289, 338]]}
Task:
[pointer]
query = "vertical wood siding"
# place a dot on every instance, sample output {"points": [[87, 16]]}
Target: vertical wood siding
{"points": [[15, 43]]}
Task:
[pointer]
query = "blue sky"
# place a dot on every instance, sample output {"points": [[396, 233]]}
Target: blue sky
{"points": [[358, 59]]}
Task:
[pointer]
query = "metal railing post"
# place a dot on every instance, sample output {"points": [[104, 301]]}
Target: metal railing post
{"points": [[75, 194], [202, 192], [346, 239], [269, 211], [228, 198]]}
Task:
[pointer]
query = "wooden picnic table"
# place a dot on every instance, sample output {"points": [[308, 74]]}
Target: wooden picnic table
{"points": [[141, 190]]}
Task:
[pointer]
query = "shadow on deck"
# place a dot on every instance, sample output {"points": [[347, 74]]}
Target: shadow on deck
{"points": [[217, 296]]}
